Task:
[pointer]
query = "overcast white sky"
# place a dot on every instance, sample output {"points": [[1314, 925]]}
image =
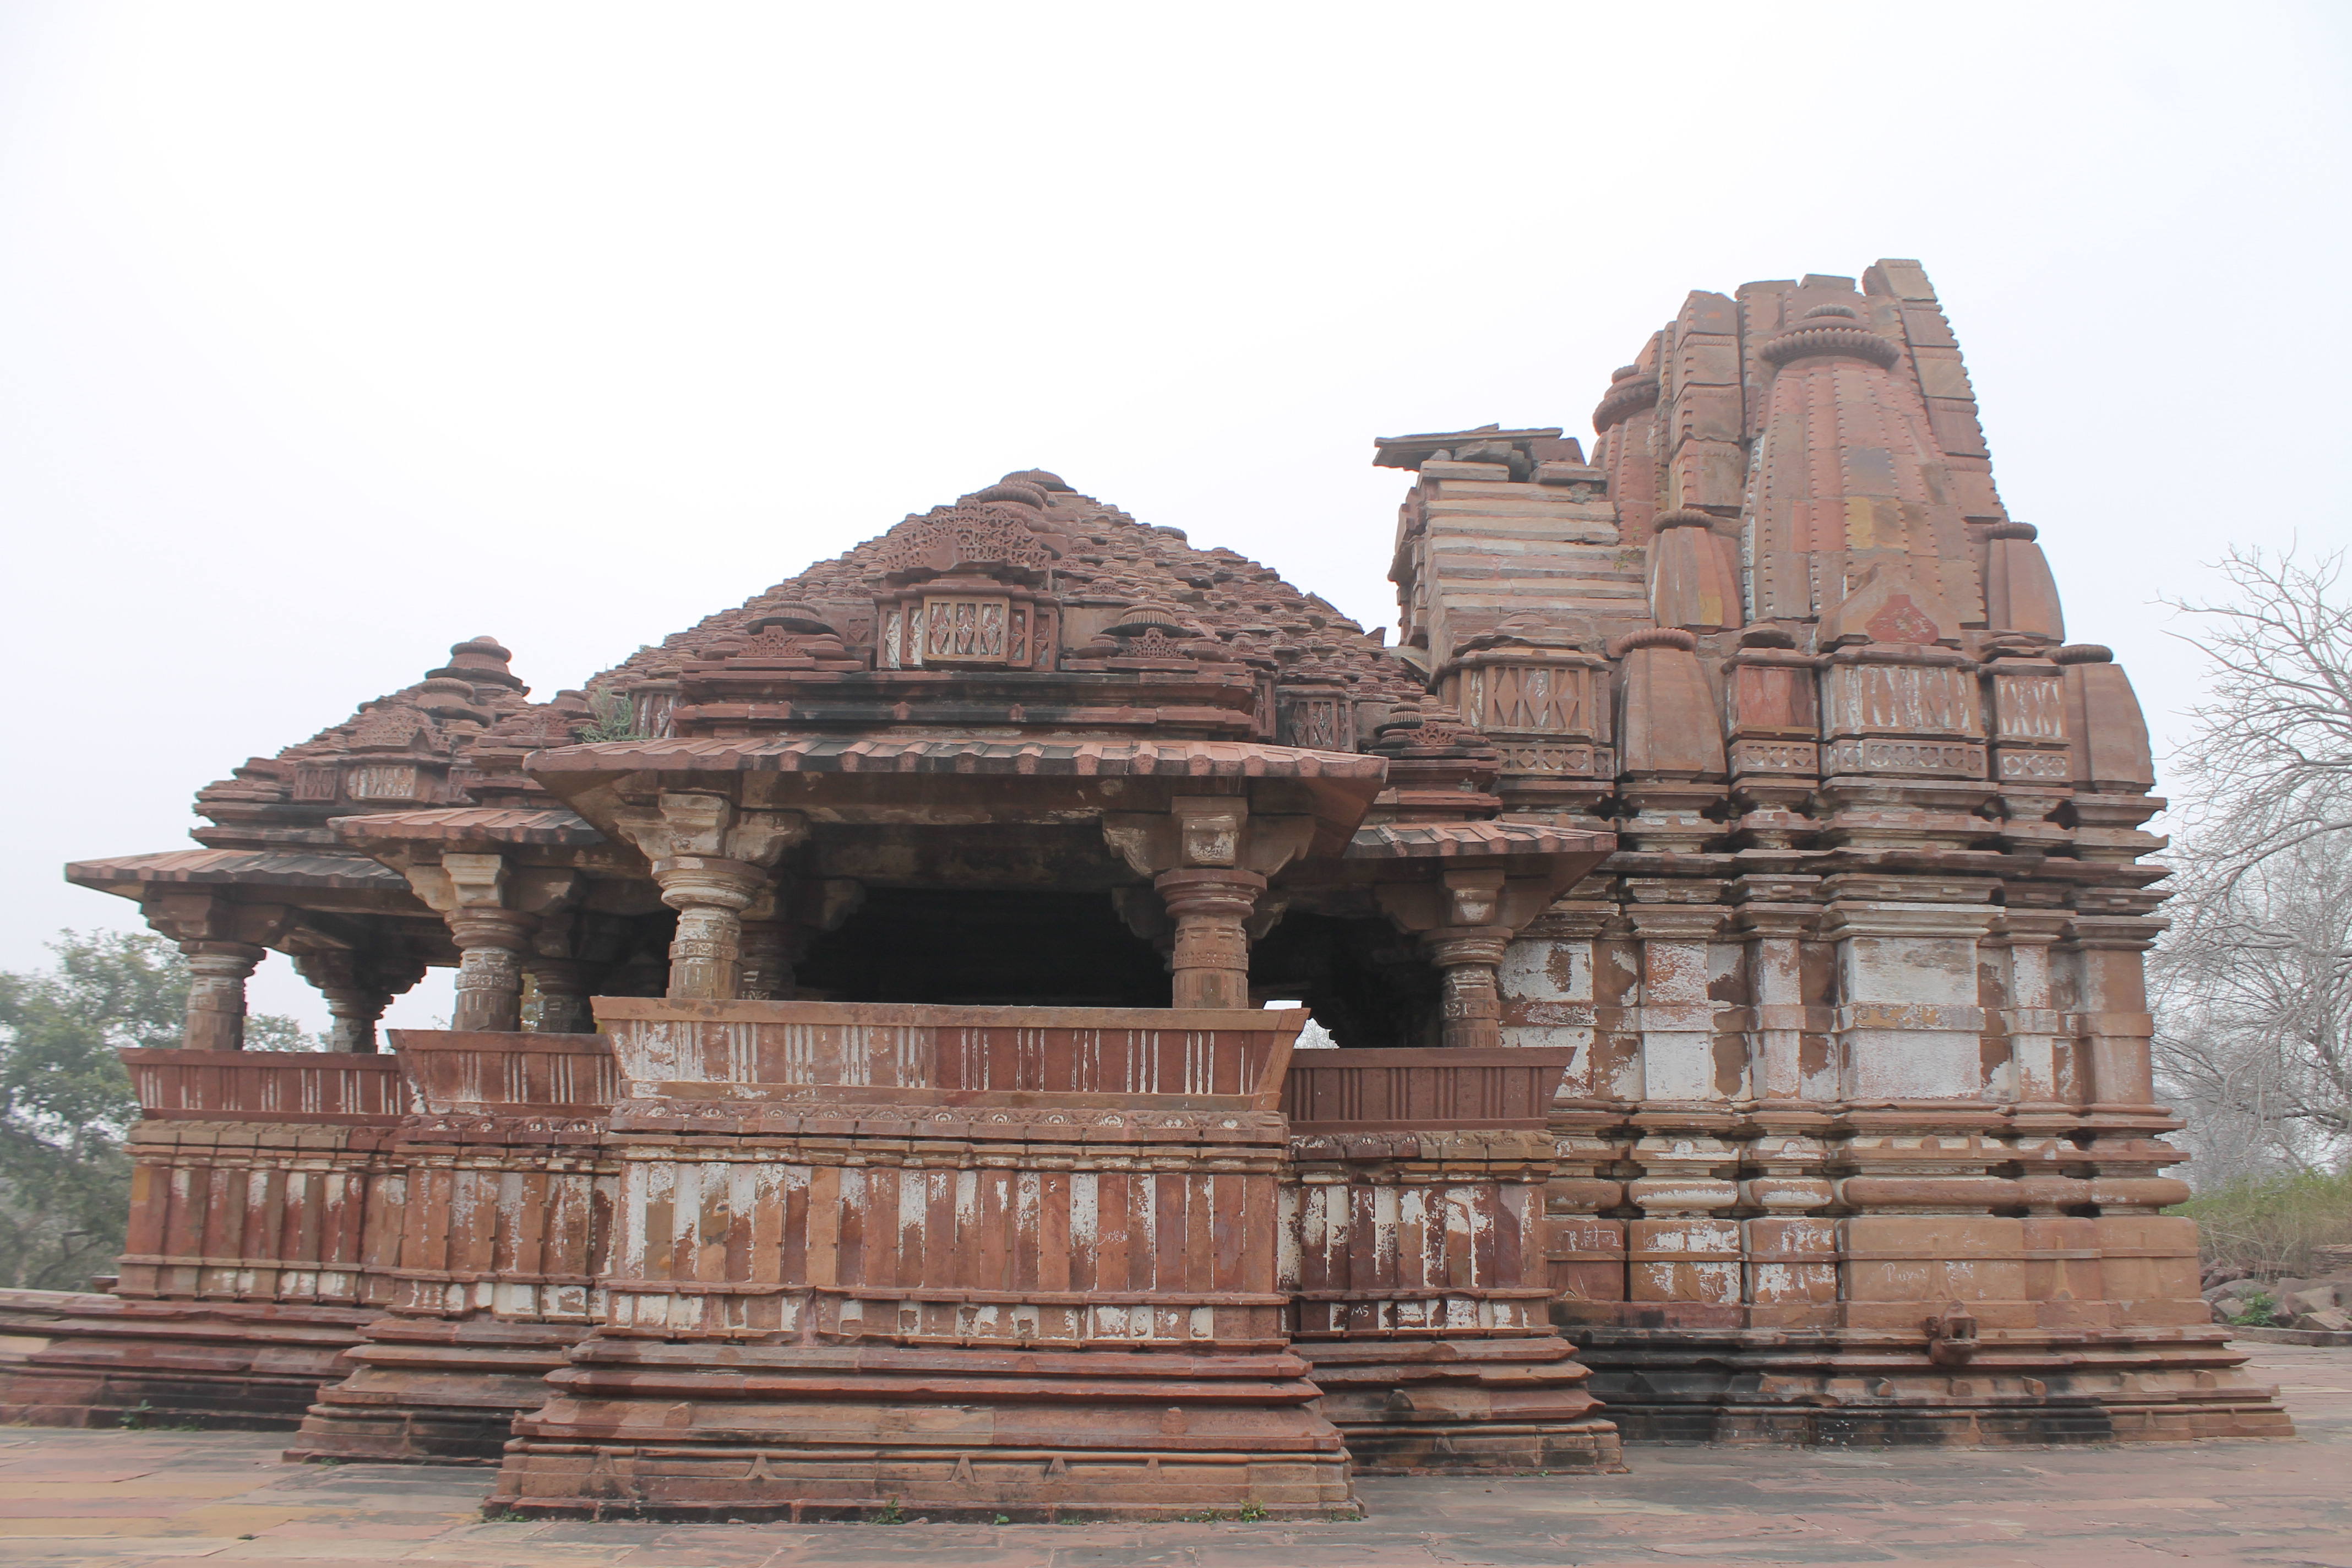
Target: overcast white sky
{"points": [[332, 333]]}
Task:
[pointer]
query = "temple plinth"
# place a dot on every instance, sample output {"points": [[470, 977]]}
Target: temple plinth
{"points": [[502, 1253]]}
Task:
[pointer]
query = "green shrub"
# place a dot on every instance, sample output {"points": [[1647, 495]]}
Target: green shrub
{"points": [[66, 1100], [2269, 1224]]}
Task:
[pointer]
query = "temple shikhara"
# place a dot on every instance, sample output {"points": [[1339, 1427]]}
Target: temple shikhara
{"points": [[881, 1073]]}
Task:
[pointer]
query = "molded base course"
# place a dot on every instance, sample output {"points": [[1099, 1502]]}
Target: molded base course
{"points": [[709, 1430], [1440, 1407], [229, 1365], [1880, 1390], [434, 1392]]}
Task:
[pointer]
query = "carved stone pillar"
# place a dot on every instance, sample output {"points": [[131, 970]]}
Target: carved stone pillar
{"points": [[357, 988], [1211, 907], [1209, 860], [1468, 959], [490, 947], [771, 950], [778, 927], [1465, 920], [217, 971], [492, 911], [563, 985], [711, 857], [223, 943], [709, 895]]}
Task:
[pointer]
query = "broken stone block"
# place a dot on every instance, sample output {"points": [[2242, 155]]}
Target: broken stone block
{"points": [[2318, 1298]]}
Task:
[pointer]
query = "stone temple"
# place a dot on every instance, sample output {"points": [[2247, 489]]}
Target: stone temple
{"points": [[876, 1076]]}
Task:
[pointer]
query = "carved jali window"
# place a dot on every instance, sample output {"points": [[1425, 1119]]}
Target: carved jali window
{"points": [[1316, 722], [314, 783], [1545, 699], [974, 631], [386, 783], [2029, 707]]}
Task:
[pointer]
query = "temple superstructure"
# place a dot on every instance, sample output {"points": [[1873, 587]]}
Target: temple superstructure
{"points": [[873, 1070]]}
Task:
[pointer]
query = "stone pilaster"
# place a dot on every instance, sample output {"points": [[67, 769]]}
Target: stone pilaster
{"points": [[2022, 943], [1909, 1025], [1547, 992], [1678, 1016], [1780, 1069], [2101, 990]]}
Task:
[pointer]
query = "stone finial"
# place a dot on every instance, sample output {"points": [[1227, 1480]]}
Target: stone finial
{"points": [[1018, 492], [480, 661], [1630, 392], [1039, 478], [447, 697]]}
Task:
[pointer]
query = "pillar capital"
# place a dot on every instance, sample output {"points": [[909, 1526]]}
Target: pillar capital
{"points": [[1463, 918], [1205, 832], [712, 857], [696, 881], [1452, 946], [691, 824], [358, 987], [222, 941]]}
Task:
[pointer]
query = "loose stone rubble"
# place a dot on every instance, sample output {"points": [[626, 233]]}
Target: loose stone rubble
{"points": [[872, 1081]]}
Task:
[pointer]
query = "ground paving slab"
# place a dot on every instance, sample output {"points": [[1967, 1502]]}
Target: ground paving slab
{"points": [[72, 1497]]}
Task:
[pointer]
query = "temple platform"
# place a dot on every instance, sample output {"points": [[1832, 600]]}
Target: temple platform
{"points": [[83, 1498]]}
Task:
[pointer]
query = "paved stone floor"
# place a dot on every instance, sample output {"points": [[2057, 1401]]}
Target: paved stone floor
{"points": [[75, 1498]]}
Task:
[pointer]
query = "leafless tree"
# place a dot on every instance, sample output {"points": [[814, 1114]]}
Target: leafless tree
{"points": [[2255, 1009], [2269, 764], [2254, 980]]}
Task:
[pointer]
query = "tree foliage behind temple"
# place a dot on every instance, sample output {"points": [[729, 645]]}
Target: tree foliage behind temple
{"points": [[66, 1100]]}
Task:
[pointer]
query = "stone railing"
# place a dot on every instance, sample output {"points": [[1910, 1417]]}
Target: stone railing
{"points": [[263, 1176], [1054, 1227]]}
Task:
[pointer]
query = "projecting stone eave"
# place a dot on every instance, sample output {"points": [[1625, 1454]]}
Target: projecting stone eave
{"points": [[843, 776]]}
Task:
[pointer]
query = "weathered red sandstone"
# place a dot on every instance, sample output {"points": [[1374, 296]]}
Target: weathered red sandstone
{"points": [[1729, 900]]}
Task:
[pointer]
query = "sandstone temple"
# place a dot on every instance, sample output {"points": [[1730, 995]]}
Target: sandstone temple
{"points": [[876, 1080]]}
